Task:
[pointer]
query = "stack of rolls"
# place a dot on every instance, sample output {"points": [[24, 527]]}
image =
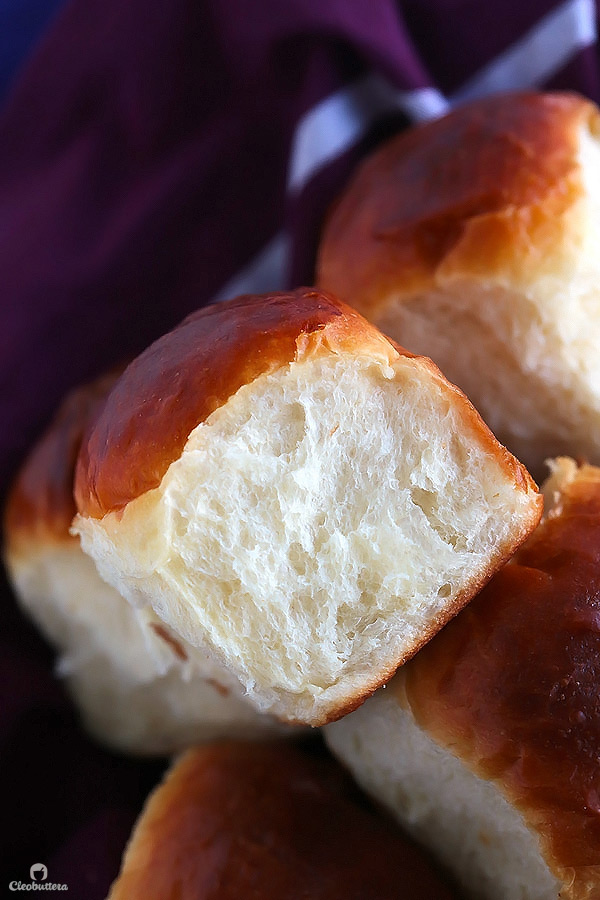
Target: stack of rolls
{"points": [[474, 239], [276, 511]]}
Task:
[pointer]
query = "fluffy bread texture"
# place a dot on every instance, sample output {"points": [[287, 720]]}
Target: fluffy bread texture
{"points": [[473, 240], [297, 497], [138, 688], [486, 746], [235, 821]]}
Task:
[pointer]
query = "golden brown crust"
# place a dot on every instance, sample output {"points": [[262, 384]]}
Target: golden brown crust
{"points": [[41, 502], [267, 821], [193, 370], [511, 685], [482, 190]]}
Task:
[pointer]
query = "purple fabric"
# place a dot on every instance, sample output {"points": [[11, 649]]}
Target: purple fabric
{"points": [[144, 161], [21, 24]]}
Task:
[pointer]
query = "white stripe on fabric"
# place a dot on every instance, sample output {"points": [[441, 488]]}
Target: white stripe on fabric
{"points": [[266, 272], [339, 121], [538, 55], [343, 117], [422, 104]]}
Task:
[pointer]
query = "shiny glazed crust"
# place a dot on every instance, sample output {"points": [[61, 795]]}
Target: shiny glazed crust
{"points": [[191, 371], [267, 820], [511, 684], [481, 191], [187, 374]]}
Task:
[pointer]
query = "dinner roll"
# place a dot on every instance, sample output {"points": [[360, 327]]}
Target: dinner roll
{"points": [[474, 239], [138, 687], [296, 496], [486, 746], [234, 821]]}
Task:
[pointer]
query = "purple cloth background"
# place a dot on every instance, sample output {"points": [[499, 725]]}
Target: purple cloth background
{"points": [[146, 159]]}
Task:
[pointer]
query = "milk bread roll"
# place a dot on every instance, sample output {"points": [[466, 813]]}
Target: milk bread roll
{"points": [[297, 497]]}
